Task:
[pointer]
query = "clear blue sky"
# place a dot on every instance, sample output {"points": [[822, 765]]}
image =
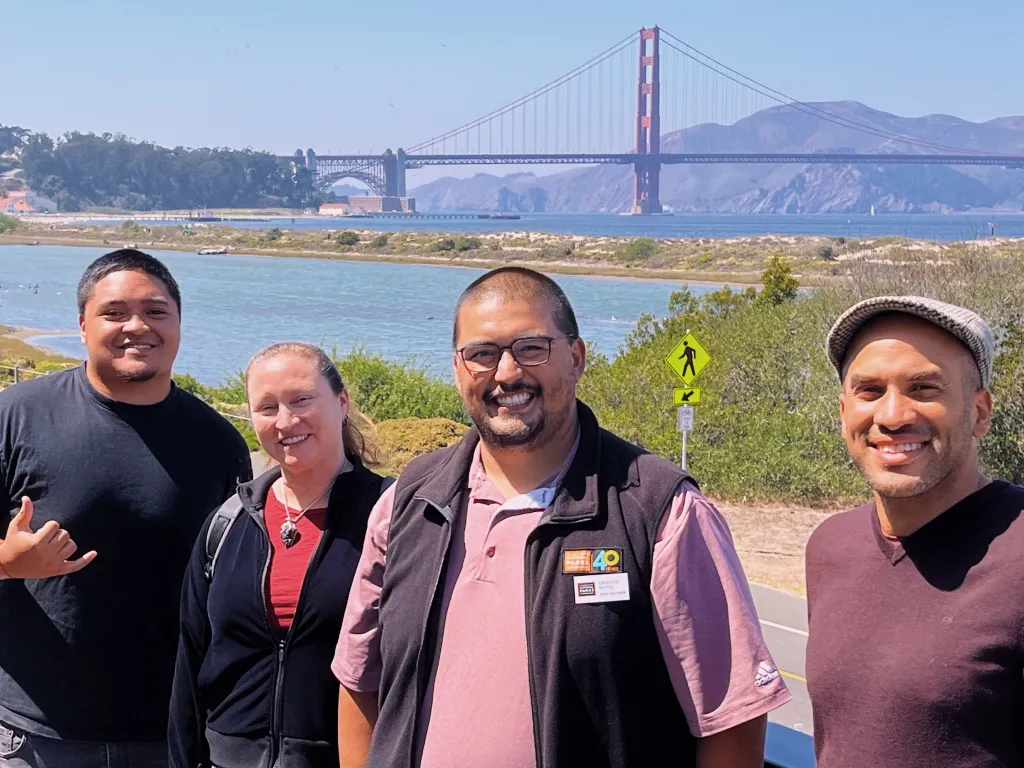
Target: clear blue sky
{"points": [[280, 76]]}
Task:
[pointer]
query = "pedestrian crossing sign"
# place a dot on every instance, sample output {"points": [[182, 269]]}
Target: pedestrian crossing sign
{"points": [[688, 359]]}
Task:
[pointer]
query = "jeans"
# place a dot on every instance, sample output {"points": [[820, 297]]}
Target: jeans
{"points": [[27, 750]]}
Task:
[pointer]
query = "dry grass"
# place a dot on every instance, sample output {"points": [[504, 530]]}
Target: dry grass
{"points": [[770, 540], [13, 349], [402, 440]]}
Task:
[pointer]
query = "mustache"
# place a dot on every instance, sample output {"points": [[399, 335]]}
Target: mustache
{"points": [[497, 392], [893, 434]]}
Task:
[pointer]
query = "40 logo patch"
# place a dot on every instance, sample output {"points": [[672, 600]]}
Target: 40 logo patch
{"points": [[580, 561]]}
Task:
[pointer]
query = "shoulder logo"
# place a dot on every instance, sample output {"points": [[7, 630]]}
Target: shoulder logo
{"points": [[765, 674]]}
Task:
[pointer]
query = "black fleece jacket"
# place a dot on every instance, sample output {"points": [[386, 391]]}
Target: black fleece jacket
{"points": [[247, 695]]}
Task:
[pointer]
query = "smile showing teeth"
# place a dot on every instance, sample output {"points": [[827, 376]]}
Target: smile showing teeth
{"points": [[509, 400], [900, 447], [294, 440], [137, 346]]}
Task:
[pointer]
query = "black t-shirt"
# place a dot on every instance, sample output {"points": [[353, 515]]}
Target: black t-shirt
{"points": [[90, 656], [916, 655]]}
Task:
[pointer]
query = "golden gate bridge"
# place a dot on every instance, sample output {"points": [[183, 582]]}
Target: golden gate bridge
{"points": [[648, 101]]}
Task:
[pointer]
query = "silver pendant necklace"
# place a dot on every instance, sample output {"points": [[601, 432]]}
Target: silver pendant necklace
{"points": [[289, 531]]}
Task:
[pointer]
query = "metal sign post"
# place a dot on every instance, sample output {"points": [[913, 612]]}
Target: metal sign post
{"points": [[684, 423]]}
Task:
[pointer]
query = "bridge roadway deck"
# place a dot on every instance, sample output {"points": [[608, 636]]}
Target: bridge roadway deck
{"points": [[418, 161]]}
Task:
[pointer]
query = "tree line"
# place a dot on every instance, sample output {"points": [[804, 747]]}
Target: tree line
{"points": [[84, 170]]}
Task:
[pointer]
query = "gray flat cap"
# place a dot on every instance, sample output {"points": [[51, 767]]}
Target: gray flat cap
{"points": [[959, 322]]}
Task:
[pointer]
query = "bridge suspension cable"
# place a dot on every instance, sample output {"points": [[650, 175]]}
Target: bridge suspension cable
{"points": [[754, 86], [556, 116]]}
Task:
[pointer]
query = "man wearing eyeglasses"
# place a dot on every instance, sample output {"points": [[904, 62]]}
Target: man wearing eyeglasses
{"points": [[543, 593]]}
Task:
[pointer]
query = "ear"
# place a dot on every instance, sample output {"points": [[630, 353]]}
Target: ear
{"points": [[579, 357], [81, 328], [842, 414], [343, 399], [981, 412]]}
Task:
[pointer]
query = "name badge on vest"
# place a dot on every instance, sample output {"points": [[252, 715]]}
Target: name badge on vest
{"points": [[605, 588], [596, 575]]}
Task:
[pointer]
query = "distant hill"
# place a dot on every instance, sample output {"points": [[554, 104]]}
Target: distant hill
{"points": [[773, 188], [346, 190]]}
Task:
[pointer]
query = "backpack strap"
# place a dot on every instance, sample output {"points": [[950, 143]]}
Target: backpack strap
{"points": [[218, 531]]}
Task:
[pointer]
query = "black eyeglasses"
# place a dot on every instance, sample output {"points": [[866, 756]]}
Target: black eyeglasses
{"points": [[532, 350]]}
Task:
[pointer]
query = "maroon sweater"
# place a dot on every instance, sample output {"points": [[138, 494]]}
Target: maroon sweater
{"points": [[916, 656]]}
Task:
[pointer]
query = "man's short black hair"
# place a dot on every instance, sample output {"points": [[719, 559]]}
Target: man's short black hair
{"points": [[520, 283], [125, 259]]}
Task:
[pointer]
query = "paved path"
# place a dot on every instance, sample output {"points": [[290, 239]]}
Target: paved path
{"points": [[784, 623]]}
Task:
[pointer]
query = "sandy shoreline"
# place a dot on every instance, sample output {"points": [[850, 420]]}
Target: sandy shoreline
{"points": [[612, 273]]}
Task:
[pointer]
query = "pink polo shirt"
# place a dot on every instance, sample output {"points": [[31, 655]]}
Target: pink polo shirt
{"points": [[477, 710]]}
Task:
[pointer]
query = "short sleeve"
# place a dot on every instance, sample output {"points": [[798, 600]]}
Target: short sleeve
{"points": [[357, 661], [719, 664]]}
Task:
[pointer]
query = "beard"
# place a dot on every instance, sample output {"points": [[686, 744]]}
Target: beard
{"points": [[137, 376], [944, 462], [511, 431]]}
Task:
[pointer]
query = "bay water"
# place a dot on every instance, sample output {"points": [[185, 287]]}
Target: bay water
{"points": [[235, 304]]}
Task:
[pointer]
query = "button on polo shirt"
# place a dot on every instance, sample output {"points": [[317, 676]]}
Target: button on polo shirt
{"points": [[483, 632]]}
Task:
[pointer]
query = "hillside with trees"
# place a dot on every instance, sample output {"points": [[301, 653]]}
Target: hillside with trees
{"points": [[84, 170]]}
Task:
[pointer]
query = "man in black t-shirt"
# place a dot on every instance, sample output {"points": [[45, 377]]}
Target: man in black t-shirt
{"points": [[113, 460], [915, 655]]}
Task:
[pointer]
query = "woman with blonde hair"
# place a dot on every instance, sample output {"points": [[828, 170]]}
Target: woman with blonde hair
{"points": [[264, 596]]}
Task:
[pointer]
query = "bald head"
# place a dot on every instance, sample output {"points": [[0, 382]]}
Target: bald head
{"points": [[520, 284]]}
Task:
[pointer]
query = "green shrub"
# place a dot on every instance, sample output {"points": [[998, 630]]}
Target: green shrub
{"points": [[348, 237], [385, 389], [444, 244], [1002, 451], [467, 244], [8, 224], [380, 241], [641, 249], [767, 427], [825, 253], [779, 284], [273, 234]]}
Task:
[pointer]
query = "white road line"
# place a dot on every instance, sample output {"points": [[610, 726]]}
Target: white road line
{"points": [[783, 627]]}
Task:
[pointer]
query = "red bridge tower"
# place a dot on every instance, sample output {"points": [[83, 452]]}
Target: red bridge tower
{"points": [[647, 166]]}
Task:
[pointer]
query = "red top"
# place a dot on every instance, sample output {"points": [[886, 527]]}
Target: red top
{"points": [[288, 565]]}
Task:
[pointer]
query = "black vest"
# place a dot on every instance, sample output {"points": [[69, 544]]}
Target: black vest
{"points": [[600, 691]]}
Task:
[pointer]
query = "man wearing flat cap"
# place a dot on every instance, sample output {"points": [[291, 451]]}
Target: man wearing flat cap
{"points": [[916, 599]]}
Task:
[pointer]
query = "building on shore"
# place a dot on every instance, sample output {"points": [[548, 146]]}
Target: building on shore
{"points": [[335, 209], [23, 201], [350, 204]]}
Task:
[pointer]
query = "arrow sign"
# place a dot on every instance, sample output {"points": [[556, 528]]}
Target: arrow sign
{"points": [[686, 396]]}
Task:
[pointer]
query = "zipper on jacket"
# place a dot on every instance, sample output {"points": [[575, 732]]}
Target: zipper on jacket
{"points": [[275, 723], [426, 626], [282, 644], [528, 594]]}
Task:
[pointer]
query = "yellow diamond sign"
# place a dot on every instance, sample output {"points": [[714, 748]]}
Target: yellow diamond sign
{"points": [[688, 358]]}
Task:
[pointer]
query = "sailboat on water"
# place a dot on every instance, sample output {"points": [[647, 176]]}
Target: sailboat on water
{"points": [[872, 210]]}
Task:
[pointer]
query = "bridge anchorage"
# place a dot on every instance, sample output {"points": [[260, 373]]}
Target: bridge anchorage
{"points": [[648, 101]]}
